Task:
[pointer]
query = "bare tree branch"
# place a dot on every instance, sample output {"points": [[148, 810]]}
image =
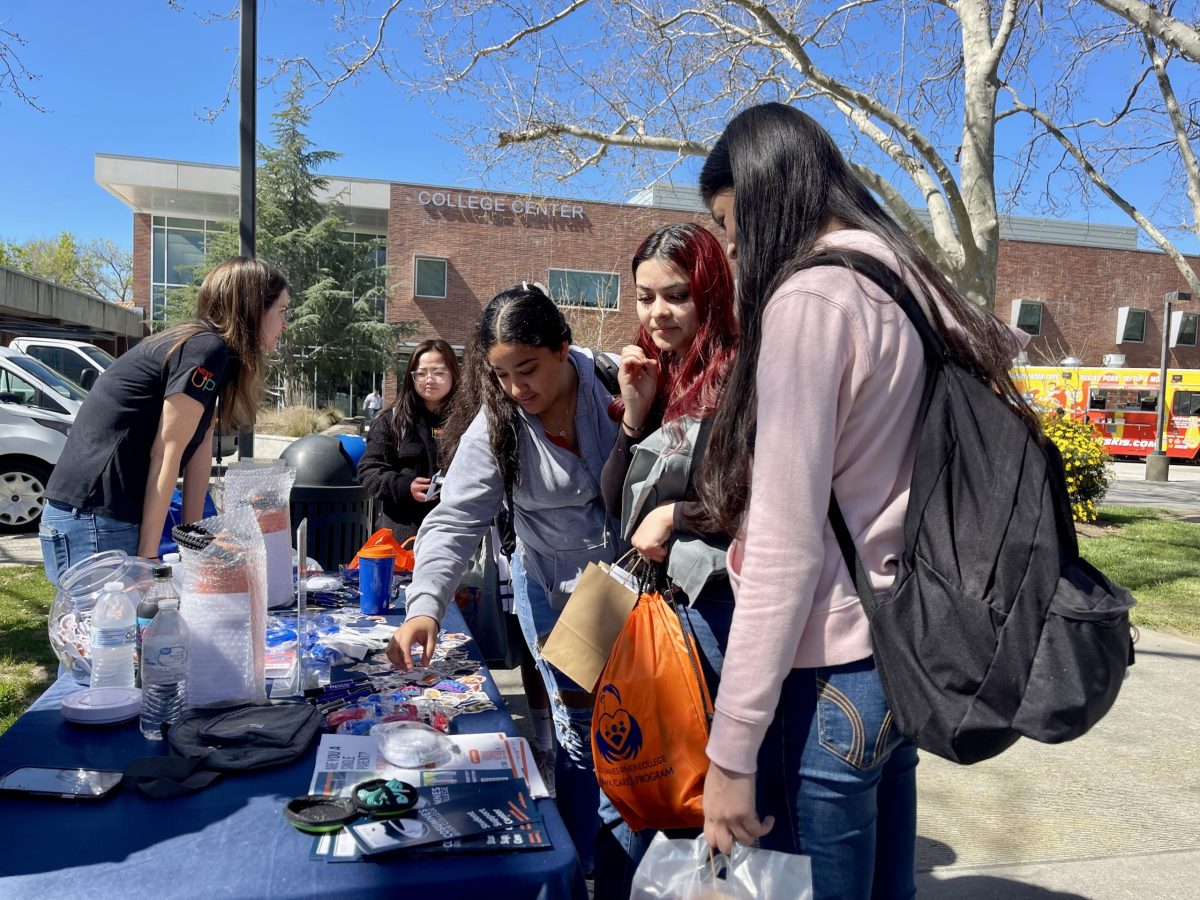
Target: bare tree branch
{"points": [[1179, 125], [1162, 241], [514, 38], [14, 76], [1166, 28]]}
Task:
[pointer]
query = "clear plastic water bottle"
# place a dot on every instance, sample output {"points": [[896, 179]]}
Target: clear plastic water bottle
{"points": [[162, 589], [164, 669], [114, 635]]}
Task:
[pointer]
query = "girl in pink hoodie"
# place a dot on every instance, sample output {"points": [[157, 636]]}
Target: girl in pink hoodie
{"points": [[823, 395]]}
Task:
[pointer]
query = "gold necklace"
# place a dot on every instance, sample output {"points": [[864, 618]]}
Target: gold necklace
{"points": [[559, 430]]}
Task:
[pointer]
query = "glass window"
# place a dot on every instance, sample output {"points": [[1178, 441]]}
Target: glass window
{"points": [[1135, 327], [591, 290], [196, 224], [429, 277], [60, 359], [60, 385], [1187, 330], [158, 302], [185, 251], [14, 390], [102, 358], [1029, 319], [160, 255], [1186, 403]]}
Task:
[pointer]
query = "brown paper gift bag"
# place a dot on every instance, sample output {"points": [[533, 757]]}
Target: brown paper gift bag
{"points": [[589, 624]]}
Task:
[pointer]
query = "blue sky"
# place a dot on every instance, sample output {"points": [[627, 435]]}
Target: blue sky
{"points": [[135, 78]]}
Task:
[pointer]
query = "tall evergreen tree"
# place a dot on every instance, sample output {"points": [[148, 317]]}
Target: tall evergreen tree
{"points": [[335, 328]]}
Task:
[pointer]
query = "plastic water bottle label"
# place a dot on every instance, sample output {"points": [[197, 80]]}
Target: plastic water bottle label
{"points": [[166, 661], [113, 637]]}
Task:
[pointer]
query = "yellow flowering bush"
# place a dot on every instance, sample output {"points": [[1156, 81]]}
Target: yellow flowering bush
{"points": [[1088, 465]]}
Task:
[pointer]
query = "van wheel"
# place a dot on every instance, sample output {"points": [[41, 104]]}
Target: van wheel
{"points": [[22, 495]]}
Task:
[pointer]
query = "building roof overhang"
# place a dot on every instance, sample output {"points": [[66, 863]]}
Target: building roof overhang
{"points": [[189, 190]]}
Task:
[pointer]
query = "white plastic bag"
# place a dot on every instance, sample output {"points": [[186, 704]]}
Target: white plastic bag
{"points": [[688, 870]]}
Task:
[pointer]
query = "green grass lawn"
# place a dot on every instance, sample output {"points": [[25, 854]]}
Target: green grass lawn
{"points": [[27, 665], [1157, 558]]}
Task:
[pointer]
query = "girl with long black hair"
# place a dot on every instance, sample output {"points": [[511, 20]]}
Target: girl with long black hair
{"points": [[825, 394], [531, 422]]}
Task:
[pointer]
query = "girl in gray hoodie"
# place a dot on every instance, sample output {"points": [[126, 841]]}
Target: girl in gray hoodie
{"points": [[531, 420]]}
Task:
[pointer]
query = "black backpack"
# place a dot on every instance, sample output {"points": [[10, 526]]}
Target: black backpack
{"points": [[995, 627]]}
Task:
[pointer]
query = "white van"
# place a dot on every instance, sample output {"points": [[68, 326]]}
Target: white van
{"points": [[77, 361], [37, 407]]}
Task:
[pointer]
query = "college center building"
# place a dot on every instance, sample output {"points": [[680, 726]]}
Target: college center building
{"points": [[1083, 291]]}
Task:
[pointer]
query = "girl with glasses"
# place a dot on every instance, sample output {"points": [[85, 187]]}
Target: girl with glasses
{"points": [[402, 444]]}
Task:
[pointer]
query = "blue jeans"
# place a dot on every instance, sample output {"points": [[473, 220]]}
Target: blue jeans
{"points": [[69, 535], [840, 780], [586, 812]]}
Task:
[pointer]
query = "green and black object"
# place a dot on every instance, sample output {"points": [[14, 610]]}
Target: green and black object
{"points": [[320, 813], [383, 799]]}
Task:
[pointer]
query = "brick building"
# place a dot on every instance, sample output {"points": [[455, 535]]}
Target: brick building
{"points": [[1083, 291]]}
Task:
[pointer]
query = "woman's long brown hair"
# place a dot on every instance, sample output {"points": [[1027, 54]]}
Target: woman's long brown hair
{"points": [[232, 301]]}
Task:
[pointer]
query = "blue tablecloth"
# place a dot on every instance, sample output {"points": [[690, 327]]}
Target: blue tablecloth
{"points": [[228, 840]]}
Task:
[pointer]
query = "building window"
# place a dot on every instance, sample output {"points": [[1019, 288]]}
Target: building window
{"points": [[374, 262], [1131, 325], [1027, 315], [429, 277], [1184, 326], [589, 290], [177, 247]]}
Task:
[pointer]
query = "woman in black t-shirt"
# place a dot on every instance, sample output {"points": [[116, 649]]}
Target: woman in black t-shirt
{"points": [[401, 454], [149, 419]]}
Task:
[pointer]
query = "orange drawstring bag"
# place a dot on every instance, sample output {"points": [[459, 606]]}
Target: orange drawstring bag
{"points": [[651, 721], [405, 560]]}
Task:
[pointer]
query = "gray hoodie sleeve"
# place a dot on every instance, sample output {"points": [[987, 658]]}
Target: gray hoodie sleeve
{"points": [[471, 496]]}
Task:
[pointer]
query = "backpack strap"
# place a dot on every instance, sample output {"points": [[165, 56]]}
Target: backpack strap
{"points": [[607, 369], [936, 355]]}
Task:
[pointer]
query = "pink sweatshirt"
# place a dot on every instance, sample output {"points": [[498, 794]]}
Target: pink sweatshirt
{"points": [[840, 377]]}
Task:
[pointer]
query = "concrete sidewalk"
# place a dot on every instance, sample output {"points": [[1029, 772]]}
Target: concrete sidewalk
{"points": [[1179, 496], [1115, 814]]}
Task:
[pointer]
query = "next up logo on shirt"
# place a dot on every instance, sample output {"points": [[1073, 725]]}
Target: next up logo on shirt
{"points": [[204, 379]]}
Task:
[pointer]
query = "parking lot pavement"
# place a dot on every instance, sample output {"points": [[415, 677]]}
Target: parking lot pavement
{"points": [[20, 549]]}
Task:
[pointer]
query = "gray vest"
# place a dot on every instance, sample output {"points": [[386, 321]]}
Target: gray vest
{"points": [[658, 474]]}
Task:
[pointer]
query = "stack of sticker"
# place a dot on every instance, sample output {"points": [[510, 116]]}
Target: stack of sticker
{"points": [[448, 686]]}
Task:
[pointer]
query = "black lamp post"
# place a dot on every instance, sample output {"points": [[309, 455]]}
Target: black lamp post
{"points": [[1158, 464], [247, 143]]}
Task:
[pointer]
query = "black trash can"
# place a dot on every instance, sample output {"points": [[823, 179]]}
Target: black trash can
{"points": [[328, 494]]}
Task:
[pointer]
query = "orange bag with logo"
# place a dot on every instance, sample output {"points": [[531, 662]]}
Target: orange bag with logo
{"points": [[405, 560], [651, 721]]}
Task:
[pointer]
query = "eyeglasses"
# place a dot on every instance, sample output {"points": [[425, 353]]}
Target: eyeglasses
{"points": [[283, 313], [430, 375]]}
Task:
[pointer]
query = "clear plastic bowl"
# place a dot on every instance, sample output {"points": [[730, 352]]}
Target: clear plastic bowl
{"points": [[79, 587]]}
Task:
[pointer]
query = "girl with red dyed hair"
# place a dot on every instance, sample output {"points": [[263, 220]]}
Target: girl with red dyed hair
{"points": [[671, 379]]}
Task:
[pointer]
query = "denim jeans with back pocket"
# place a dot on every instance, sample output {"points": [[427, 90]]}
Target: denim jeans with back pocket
{"points": [[840, 780], [69, 535]]}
